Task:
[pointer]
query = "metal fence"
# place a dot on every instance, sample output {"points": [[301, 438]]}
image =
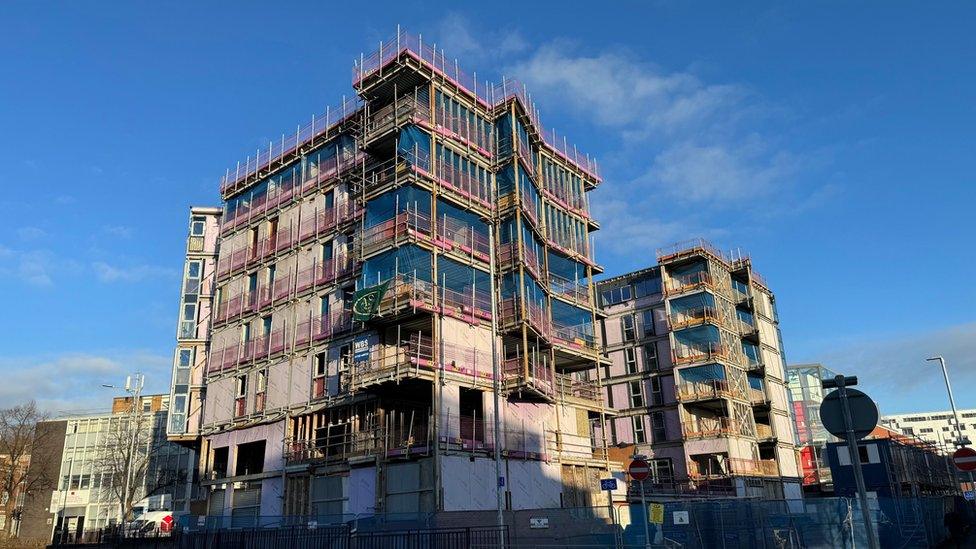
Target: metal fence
{"points": [[723, 523]]}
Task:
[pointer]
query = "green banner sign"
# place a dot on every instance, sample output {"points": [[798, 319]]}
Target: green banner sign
{"points": [[366, 302]]}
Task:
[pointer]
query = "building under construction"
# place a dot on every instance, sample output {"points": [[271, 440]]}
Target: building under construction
{"points": [[697, 376], [384, 274]]}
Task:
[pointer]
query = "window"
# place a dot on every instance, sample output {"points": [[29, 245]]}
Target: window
{"points": [[627, 327], [266, 326], [615, 295], [197, 225], [320, 364], [610, 396], [647, 286], [640, 437], [657, 397], [650, 356], [262, 383], [636, 394], [659, 427], [630, 360], [647, 323], [270, 276], [661, 471]]}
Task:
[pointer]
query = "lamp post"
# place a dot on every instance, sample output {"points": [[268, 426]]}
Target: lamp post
{"points": [[133, 386], [960, 439]]}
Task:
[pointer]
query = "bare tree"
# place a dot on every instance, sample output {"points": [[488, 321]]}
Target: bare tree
{"points": [[20, 473], [133, 461]]}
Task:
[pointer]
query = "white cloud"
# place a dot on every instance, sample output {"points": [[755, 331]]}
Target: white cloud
{"points": [[134, 273], [119, 231], [32, 267], [892, 369], [30, 233], [458, 39], [73, 381]]}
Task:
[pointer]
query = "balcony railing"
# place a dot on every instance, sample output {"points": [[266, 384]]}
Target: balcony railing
{"points": [[727, 467], [415, 358], [407, 45], [315, 175], [461, 128], [694, 317], [404, 110], [508, 257], [275, 152], [405, 226], [580, 391], [574, 290], [757, 396], [707, 390], [465, 184], [513, 312], [682, 283], [687, 353], [574, 336], [690, 247], [539, 378], [713, 427]]}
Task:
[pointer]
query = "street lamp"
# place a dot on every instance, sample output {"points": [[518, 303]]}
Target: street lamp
{"points": [[961, 440], [133, 386]]}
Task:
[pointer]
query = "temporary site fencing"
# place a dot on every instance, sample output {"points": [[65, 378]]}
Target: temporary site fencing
{"points": [[728, 524]]}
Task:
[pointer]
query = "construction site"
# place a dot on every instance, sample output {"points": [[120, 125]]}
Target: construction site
{"points": [[386, 278]]}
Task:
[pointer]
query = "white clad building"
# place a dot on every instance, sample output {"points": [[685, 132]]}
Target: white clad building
{"points": [[937, 427]]}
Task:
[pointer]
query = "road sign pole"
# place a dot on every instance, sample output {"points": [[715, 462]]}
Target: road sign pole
{"points": [[647, 518], [856, 463]]}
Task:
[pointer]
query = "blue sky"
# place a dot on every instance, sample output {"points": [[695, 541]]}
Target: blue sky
{"points": [[832, 142]]}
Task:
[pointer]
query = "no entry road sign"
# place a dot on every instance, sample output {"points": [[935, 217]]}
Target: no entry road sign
{"points": [[965, 459], [639, 469]]}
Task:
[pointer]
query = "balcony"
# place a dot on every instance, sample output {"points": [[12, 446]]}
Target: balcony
{"points": [[690, 282], [695, 316], [465, 188], [574, 337], [539, 379], [579, 392], [460, 129], [707, 390], [731, 467], [758, 397], [338, 444], [404, 228], [706, 427], [764, 432], [408, 295], [691, 248], [509, 257], [705, 351], [514, 313], [414, 358], [402, 111], [574, 291]]}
